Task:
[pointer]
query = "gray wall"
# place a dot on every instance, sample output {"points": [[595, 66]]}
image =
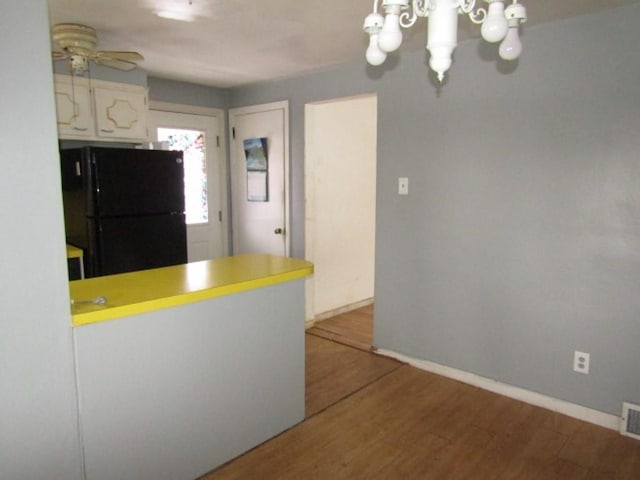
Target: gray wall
{"points": [[186, 93], [520, 240], [38, 414]]}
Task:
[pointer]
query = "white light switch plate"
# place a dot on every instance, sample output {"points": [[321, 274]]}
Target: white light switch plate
{"points": [[403, 186]]}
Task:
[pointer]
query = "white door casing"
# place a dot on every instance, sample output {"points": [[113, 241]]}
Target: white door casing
{"points": [[260, 226], [204, 240]]}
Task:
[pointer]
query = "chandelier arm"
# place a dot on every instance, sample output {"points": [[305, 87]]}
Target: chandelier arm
{"points": [[421, 7], [408, 20], [468, 6]]}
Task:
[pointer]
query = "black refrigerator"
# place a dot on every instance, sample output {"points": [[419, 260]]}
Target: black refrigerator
{"points": [[124, 208]]}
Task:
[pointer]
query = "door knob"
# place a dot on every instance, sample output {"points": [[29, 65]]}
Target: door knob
{"points": [[278, 231]]}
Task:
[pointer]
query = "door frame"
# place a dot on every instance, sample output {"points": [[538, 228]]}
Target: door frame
{"points": [[282, 105], [222, 138]]}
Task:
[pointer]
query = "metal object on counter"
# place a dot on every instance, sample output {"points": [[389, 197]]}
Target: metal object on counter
{"points": [[99, 300]]}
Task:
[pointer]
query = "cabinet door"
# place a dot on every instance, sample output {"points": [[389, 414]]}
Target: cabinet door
{"points": [[73, 107], [121, 113]]}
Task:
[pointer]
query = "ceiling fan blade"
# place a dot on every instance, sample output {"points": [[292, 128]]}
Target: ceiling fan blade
{"points": [[115, 63], [116, 55]]}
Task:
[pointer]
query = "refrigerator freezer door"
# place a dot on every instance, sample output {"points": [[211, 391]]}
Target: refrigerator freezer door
{"points": [[135, 182], [74, 197], [136, 243]]}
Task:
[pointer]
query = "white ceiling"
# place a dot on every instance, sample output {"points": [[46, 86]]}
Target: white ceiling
{"points": [[237, 42]]}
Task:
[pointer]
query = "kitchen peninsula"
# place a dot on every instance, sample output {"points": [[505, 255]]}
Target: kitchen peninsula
{"points": [[186, 367]]}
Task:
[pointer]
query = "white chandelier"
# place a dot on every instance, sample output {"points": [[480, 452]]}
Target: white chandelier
{"points": [[498, 24]]}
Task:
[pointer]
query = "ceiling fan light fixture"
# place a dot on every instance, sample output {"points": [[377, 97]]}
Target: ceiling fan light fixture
{"points": [[79, 64], [78, 45]]}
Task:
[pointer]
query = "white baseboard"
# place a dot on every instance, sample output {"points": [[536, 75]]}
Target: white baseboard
{"points": [[561, 406], [309, 323], [344, 309]]}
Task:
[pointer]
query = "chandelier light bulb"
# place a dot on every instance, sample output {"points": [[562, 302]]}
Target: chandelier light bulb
{"points": [[372, 25], [494, 28], [390, 36], [374, 55], [511, 47]]}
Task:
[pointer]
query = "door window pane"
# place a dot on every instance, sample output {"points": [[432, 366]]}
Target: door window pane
{"points": [[192, 143]]}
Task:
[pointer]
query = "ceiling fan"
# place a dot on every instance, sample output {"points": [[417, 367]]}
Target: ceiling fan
{"points": [[78, 44]]}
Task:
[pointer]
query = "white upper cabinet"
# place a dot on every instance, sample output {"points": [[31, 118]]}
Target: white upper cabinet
{"points": [[99, 110], [121, 112], [73, 106]]}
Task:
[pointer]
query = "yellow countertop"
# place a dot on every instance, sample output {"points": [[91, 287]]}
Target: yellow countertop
{"points": [[73, 252], [158, 288]]}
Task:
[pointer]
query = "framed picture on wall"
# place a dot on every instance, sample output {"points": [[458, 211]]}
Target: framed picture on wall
{"points": [[255, 150]]}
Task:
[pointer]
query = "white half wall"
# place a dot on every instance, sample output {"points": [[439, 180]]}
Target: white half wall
{"points": [[38, 410]]}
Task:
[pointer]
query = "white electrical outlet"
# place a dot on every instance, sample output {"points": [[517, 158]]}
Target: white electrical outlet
{"points": [[403, 186], [581, 362]]}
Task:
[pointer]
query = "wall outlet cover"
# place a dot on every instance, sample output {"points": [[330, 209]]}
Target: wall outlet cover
{"points": [[581, 362]]}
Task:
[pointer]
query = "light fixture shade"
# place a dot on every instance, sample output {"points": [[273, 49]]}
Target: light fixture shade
{"points": [[442, 35], [494, 27], [511, 47]]}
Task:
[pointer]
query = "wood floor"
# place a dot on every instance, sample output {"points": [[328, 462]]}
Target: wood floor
{"points": [[357, 369], [354, 328], [370, 417]]}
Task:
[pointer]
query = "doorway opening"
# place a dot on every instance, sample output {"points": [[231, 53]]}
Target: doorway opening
{"points": [[340, 192]]}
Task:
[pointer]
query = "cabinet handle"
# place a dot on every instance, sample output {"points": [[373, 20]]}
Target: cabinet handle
{"points": [[106, 130], [80, 129]]}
